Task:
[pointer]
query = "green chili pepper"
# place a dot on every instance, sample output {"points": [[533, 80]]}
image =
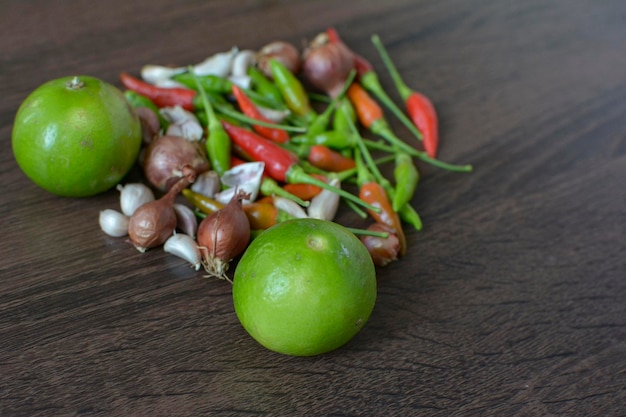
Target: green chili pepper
{"points": [[345, 110], [264, 86], [292, 91], [137, 100], [218, 142], [210, 83], [406, 177], [320, 123], [333, 139]]}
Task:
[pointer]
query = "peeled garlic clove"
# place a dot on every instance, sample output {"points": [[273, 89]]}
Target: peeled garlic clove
{"points": [[324, 205], [185, 219], [183, 246], [290, 207], [113, 223], [133, 196]]}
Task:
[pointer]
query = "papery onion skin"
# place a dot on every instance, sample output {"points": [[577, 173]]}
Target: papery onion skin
{"points": [[282, 51], [382, 250], [327, 65], [166, 156]]}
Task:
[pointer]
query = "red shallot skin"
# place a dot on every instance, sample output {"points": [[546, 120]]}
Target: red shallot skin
{"points": [[383, 251], [327, 65], [225, 233], [284, 52], [154, 222], [166, 156]]}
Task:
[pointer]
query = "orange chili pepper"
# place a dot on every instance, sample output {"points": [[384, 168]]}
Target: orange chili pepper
{"points": [[374, 194], [260, 215], [367, 109], [303, 191], [323, 157]]}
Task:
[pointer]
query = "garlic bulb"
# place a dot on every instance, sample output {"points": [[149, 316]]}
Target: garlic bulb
{"points": [[133, 196], [113, 223], [183, 246]]}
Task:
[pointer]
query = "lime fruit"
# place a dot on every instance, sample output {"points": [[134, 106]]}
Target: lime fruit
{"points": [[76, 136], [304, 287]]}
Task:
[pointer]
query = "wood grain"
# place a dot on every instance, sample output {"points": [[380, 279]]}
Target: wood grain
{"points": [[511, 301]]}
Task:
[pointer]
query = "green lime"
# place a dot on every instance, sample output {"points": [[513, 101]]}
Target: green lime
{"points": [[76, 136], [304, 287]]}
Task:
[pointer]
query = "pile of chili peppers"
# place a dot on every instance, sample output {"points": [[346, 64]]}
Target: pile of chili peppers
{"points": [[295, 151]]}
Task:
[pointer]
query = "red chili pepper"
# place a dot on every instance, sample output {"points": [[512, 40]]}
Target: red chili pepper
{"points": [[369, 79], [249, 109], [323, 157], [162, 97], [281, 164], [423, 114], [419, 107], [277, 160]]}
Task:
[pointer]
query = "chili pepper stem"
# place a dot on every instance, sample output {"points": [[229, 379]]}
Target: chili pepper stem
{"points": [[370, 81], [271, 187], [364, 232], [401, 86], [243, 118], [296, 174]]}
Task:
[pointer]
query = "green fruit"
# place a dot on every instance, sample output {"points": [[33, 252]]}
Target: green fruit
{"points": [[76, 136], [304, 287]]}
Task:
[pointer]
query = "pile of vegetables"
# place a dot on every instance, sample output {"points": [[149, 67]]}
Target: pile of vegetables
{"points": [[252, 138]]}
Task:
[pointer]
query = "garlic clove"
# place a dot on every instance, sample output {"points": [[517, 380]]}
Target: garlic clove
{"points": [[208, 184], [218, 64], [324, 205], [113, 223], [186, 220], [133, 196], [155, 73], [242, 81], [242, 61], [290, 207], [189, 129], [183, 246]]}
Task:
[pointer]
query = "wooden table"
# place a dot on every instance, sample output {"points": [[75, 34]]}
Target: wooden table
{"points": [[511, 300]]}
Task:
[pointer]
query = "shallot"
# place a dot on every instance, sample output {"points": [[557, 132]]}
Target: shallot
{"points": [[166, 156], [327, 65], [154, 222], [284, 52], [223, 235]]}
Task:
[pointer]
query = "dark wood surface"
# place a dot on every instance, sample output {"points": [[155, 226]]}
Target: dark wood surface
{"points": [[511, 301]]}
